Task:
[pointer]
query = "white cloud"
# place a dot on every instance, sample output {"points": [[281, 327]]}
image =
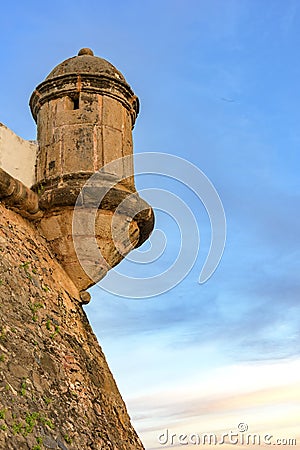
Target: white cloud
{"points": [[263, 395]]}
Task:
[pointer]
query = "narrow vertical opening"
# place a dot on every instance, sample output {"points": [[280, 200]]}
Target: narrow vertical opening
{"points": [[72, 102], [76, 102]]}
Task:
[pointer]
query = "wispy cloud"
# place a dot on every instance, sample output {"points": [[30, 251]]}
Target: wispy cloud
{"points": [[254, 394]]}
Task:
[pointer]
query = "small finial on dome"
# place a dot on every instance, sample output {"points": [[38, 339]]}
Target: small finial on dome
{"points": [[85, 51]]}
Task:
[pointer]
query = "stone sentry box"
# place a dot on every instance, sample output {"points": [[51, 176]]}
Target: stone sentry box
{"points": [[85, 111]]}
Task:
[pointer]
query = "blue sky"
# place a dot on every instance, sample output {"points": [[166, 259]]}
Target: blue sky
{"points": [[218, 83]]}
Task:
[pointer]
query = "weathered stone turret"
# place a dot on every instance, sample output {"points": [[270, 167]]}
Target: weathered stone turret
{"points": [[85, 112]]}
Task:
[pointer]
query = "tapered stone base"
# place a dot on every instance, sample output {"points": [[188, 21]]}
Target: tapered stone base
{"points": [[88, 242]]}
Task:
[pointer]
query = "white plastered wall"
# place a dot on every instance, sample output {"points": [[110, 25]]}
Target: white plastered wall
{"points": [[17, 156]]}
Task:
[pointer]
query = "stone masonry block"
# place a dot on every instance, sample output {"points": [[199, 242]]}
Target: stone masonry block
{"points": [[50, 227], [77, 148], [53, 162], [112, 113], [112, 150], [89, 222], [99, 159], [46, 123], [128, 151], [41, 166]]}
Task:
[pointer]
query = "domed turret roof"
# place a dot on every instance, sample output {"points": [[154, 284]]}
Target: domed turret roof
{"points": [[86, 62], [84, 73]]}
